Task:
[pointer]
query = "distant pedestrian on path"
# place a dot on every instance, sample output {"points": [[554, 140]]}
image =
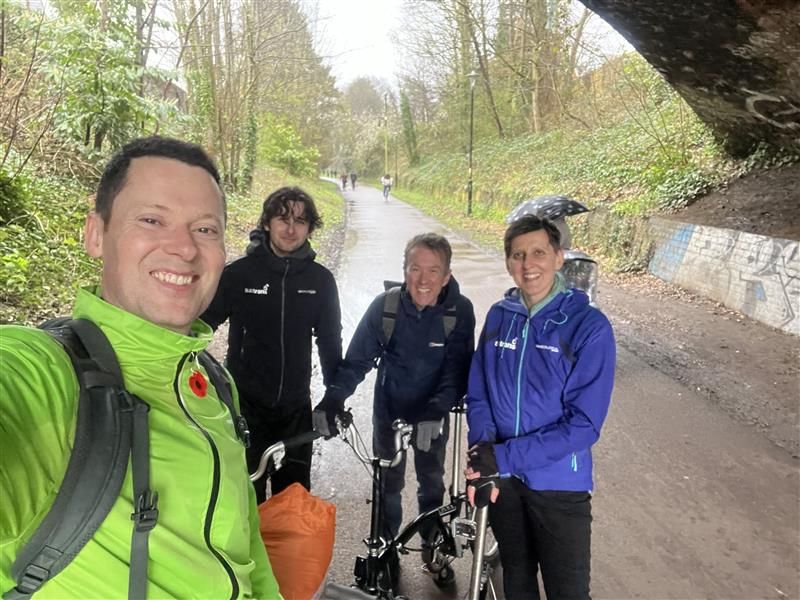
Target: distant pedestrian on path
{"points": [[343, 177], [386, 182], [353, 178]]}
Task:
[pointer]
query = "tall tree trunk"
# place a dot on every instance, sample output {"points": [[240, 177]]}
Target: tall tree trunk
{"points": [[2, 37]]}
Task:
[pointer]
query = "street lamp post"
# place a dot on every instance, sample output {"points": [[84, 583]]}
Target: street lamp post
{"points": [[386, 132], [473, 76]]}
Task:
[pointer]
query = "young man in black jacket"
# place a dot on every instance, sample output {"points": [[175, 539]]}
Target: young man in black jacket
{"points": [[276, 297], [422, 371]]}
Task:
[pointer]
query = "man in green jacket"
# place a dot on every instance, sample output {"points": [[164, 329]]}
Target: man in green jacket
{"points": [[158, 226]]}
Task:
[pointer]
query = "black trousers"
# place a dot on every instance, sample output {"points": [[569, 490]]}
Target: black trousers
{"points": [[543, 530], [268, 426]]}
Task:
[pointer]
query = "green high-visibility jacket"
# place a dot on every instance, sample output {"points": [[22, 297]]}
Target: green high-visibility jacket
{"points": [[207, 542]]}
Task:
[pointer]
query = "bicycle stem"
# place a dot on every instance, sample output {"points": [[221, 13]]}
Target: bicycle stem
{"points": [[375, 543], [457, 475], [479, 548]]}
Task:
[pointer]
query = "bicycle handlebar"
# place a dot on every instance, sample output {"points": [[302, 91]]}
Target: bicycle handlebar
{"points": [[483, 490], [293, 442], [402, 437]]}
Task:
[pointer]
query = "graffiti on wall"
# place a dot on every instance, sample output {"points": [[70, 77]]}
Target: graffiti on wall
{"points": [[773, 275], [760, 276]]}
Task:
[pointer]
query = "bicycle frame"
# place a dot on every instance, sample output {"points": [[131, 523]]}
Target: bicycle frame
{"points": [[455, 533]]}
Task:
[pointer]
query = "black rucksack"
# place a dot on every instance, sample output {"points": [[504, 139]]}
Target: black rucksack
{"points": [[391, 302], [111, 427]]}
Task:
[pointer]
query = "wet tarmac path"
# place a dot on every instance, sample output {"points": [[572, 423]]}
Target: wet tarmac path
{"points": [[688, 503]]}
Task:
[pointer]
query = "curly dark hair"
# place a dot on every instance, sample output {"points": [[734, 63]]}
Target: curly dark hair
{"points": [[278, 204]]}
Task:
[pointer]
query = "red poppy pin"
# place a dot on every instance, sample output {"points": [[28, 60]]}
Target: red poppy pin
{"points": [[198, 384]]}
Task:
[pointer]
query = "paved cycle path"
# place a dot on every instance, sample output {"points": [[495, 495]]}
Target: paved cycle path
{"points": [[688, 503]]}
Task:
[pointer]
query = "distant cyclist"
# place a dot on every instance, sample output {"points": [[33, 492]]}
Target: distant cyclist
{"points": [[353, 178], [386, 182]]}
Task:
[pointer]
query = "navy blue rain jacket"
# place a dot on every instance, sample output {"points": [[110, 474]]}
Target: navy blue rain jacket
{"points": [[540, 389], [420, 374]]}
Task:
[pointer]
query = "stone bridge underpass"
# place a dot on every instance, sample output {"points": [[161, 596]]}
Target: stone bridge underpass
{"points": [[735, 62]]}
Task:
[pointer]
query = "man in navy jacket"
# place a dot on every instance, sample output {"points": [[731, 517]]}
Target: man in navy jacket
{"points": [[422, 372], [539, 391]]}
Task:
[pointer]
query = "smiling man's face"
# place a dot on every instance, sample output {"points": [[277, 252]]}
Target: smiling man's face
{"points": [[426, 275], [163, 248]]}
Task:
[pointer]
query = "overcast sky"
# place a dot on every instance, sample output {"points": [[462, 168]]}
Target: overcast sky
{"points": [[355, 36]]}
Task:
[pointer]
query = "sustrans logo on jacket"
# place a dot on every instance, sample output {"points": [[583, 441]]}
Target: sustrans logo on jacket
{"points": [[547, 347], [512, 345], [258, 291]]}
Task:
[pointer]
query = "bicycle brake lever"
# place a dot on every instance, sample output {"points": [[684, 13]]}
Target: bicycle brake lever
{"points": [[345, 418]]}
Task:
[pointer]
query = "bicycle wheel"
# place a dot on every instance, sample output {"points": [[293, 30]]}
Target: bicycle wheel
{"points": [[491, 551], [489, 583]]}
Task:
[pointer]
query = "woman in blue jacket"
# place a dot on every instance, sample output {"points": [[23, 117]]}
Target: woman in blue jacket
{"points": [[539, 390]]}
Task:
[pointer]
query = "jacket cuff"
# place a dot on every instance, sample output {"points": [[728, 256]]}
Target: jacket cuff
{"points": [[501, 457]]}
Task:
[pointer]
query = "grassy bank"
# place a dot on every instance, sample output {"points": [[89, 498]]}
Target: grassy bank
{"points": [[658, 158]]}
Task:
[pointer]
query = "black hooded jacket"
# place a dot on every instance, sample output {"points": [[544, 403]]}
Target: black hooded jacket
{"points": [[275, 304], [421, 375]]}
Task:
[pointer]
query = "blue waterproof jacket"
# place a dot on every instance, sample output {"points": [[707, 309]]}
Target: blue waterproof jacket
{"points": [[540, 387], [421, 375]]}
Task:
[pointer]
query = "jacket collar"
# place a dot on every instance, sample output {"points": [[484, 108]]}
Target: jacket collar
{"points": [[561, 300], [137, 342]]}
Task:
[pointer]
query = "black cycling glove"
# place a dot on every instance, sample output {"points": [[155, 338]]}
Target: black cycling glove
{"points": [[323, 418], [481, 459]]}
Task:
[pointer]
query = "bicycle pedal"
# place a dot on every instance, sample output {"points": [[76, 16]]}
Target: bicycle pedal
{"points": [[442, 575]]}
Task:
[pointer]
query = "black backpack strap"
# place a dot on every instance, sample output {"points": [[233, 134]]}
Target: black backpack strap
{"points": [[145, 515], [450, 318], [222, 384], [98, 463], [391, 302]]}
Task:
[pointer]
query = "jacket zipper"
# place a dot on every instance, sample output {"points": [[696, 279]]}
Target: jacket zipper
{"points": [[283, 328], [212, 502], [519, 373]]}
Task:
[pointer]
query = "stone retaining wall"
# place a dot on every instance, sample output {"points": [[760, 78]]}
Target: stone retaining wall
{"points": [[754, 274]]}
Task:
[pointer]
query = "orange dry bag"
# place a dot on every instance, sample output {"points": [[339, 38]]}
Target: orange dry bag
{"points": [[298, 532]]}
